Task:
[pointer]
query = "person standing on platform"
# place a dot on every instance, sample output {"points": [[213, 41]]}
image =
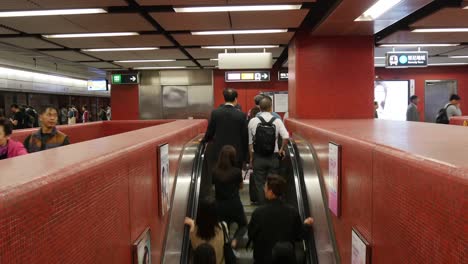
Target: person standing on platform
{"points": [[412, 113], [47, 136], [71, 116], [453, 107], [9, 148], [85, 117], [227, 126], [109, 113], [376, 107], [19, 119], [102, 114], [263, 145]]}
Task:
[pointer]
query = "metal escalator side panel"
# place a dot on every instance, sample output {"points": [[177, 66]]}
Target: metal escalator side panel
{"points": [[172, 251], [324, 236]]}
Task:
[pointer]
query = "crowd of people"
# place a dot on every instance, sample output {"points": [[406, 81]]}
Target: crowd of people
{"points": [[237, 140]]}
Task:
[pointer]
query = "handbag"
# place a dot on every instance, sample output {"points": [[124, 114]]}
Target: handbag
{"points": [[229, 256]]}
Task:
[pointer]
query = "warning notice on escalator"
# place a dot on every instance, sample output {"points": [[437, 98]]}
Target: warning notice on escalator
{"points": [[333, 180]]}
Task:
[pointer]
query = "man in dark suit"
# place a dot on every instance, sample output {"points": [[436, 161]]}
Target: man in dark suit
{"points": [[228, 126]]}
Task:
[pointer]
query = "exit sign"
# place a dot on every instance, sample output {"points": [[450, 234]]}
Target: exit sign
{"points": [[131, 78], [247, 76]]}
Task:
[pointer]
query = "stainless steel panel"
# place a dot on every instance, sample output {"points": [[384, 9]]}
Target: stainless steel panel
{"points": [[436, 95], [175, 102], [327, 251], [150, 93], [187, 77], [200, 101], [173, 245]]}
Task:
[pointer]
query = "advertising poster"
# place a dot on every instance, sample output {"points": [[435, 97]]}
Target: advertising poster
{"points": [[392, 98], [164, 189], [360, 250], [333, 179], [281, 102], [142, 248]]}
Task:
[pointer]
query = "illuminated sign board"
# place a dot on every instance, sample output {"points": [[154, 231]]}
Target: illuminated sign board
{"points": [[283, 75], [406, 59], [247, 76], [131, 78], [97, 85]]}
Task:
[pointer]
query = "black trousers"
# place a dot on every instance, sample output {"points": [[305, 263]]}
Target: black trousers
{"points": [[262, 167]]}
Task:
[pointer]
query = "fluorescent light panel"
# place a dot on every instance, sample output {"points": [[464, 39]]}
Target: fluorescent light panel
{"points": [[237, 32], [448, 64], [236, 8], [52, 12], [419, 45], [213, 59], [377, 10], [242, 47], [136, 61], [459, 57], [159, 68], [120, 49], [379, 58], [92, 35], [439, 30]]}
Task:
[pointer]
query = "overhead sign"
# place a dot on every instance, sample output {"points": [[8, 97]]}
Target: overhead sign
{"points": [[247, 76], [406, 59], [97, 85], [283, 75], [128, 78]]}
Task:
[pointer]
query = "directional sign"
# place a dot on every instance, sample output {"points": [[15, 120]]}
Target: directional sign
{"points": [[131, 78], [406, 59], [249, 76], [283, 75]]}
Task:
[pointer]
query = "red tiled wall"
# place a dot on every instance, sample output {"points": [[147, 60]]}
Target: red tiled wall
{"points": [[459, 120], [410, 209], [125, 102], [92, 213]]}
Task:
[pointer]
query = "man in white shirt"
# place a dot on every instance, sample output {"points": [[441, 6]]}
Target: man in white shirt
{"points": [[264, 164]]}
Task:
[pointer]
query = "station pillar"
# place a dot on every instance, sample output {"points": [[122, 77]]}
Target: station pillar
{"points": [[331, 77], [125, 102]]}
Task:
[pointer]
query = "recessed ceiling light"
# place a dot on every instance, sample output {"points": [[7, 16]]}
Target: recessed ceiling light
{"points": [[459, 57], [235, 32], [92, 35], [120, 49], [419, 45], [242, 47], [448, 64], [236, 8], [53, 12], [379, 58], [159, 68], [377, 10], [439, 30], [136, 61], [214, 59]]}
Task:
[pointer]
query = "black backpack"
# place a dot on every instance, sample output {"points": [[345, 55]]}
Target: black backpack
{"points": [[264, 141], [442, 117]]}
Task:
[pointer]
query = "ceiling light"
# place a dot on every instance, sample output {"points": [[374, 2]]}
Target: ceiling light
{"points": [[459, 57], [418, 45], [448, 64], [213, 59], [379, 58], [54, 12], [119, 49], [236, 8], [136, 61], [92, 35], [439, 30], [242, 47], [250, 31], [159, 68], [377, 10]]}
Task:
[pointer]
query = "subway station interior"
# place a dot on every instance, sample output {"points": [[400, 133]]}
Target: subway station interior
{"points": [[134, 131]]}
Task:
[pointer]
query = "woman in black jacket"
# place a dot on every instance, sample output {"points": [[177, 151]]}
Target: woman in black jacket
{"points": [[227, 179]]}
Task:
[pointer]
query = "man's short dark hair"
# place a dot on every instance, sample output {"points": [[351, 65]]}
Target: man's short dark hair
{"points": [[266, 104], [44, 109], [454, 97], [276, 184], [14, 106], [7, 126], [85, 107], [413, 97], [230, 95], [258, 98], [376, 103]]}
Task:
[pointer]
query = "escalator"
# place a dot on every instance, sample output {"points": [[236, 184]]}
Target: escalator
{"points": [[305, 192]]}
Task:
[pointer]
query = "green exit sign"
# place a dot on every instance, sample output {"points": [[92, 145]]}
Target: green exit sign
{"points": [[117, 78]]}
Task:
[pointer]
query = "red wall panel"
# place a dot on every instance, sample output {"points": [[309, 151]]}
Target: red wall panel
{"points": [[459, 120], [420, 75], [247, 90], [331, 77], [125, 102], [91, 204], [407, 199]]}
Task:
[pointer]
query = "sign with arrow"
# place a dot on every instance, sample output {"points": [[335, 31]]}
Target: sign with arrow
{"points": [[127, 78], [247, 76]]}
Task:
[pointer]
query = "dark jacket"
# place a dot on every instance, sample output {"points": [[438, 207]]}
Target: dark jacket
{"points": [[271, 223], [228, 126], [39, 141]]}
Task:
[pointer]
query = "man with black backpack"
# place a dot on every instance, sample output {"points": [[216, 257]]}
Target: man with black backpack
{"points": [[450, 109], [263, 145]]}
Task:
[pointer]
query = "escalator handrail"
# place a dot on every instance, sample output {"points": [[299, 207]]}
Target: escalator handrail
{"points": [[193, 196], [302, 202]]}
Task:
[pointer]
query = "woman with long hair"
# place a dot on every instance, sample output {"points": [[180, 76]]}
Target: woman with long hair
{"points": [[207, 229], [227, 179]]}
